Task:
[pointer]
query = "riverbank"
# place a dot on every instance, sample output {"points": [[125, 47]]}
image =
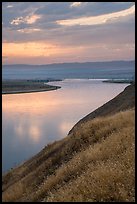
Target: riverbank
{"points": [[26, 86], [123, 101], [94, 163], [121, 81]]}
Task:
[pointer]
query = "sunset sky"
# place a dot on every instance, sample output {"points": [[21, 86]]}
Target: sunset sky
{"points": [[57, 32]]}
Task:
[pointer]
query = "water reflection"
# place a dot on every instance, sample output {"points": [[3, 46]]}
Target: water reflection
{"points": [[30, 121], [32, 132]]}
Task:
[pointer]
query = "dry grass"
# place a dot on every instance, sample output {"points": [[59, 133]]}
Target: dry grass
{"points": [[14, 192], [94, 164], [108, 171]]}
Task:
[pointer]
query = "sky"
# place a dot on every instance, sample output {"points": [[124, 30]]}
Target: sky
{"points": [[58, 32]]}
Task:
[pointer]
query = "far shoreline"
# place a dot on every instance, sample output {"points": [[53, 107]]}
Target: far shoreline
{"points": [[33, 86], [30, 91], [119, 81], [26, 86]]}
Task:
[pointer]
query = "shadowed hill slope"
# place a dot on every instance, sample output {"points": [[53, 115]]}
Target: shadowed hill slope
{"points": [[121, 102], [94, 163]]}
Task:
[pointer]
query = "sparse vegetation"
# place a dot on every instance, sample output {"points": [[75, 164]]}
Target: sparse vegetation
{"points": [[93, 163], [26, 86]]}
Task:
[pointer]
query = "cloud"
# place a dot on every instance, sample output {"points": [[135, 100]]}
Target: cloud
{"points": [[17, 21], [28, 20], [30, 49], [75, 4], [4, 57], [32, 19], [10, 6], [44, 23], [29, 30], [97, 20]]}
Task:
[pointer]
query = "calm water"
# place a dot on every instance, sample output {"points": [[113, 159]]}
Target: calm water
{"points": [[30, 121]]}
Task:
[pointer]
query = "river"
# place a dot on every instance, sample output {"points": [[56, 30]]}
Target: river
{"points": [[32, 120]]}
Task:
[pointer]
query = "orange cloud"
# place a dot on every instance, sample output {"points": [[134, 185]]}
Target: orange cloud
{"points": [[38, 49], [46, 52], [29, 49]]}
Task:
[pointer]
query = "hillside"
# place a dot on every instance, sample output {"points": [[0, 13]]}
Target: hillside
{"points": [[93, 163], [123, 101], [93, 70]]}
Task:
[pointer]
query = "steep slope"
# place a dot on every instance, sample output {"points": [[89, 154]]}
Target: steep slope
{"points": [[121, 102], [94, 163]]}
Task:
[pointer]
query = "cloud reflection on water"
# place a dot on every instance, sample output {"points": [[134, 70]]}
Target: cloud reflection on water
{"points": [[31, 121]]}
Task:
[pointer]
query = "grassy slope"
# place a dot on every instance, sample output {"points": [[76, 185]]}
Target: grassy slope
{"points": [[94, 163]]}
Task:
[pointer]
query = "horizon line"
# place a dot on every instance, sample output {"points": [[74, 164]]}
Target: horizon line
{"points": [[71, 62]]}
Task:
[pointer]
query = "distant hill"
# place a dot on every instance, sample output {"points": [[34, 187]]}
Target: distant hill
{"points": [[103, 70], [94, 163], [77, 64]]}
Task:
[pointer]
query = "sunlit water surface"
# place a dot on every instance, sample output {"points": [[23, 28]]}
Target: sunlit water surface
{"points": [[31, 121]]}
